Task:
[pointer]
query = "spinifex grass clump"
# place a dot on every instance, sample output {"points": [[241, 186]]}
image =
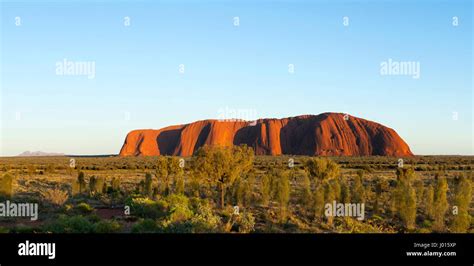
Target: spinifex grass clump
{"points": [[55, 196]]}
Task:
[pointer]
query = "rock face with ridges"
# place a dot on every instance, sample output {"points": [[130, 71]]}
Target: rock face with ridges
{"points": [[327, 134]]}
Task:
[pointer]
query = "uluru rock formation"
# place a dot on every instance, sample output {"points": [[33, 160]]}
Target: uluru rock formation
{"points": [[327, 134]]}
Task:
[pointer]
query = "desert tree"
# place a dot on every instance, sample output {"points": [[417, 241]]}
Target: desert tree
{"points": [[358, 190], [404, 197], [440, 203], [167, 168], [92, 182], [32, 169], [428, 202], [282, 192], [194, 187], [345, 191], [306, 196], [329, 197], [266, 188], [318, 201], [81, 180], [242, 189], [462, 199], [179, 184], [148, 185], [420, 190], [378, 194], [221, 166], [335, 188], [320, 169], [103, 182], [75, 188], [6, 185], [249, 188], [115, 184], [97, 185]]}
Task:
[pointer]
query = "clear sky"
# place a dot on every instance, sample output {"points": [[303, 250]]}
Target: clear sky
{"points": [[138, 83]]}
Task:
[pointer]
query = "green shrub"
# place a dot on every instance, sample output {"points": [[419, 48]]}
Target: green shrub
{"points": [[245, 222], [106, 226], [200, 219], [25, 229], [147, 208], [70, 224], [145, 226], [179, 208], [83, 208]]}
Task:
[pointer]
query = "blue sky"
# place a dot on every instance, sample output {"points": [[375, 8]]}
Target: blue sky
{"points": [[137, 81]]}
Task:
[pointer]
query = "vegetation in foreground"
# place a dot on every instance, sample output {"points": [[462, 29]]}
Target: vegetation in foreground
{"points": [[228, 189]]}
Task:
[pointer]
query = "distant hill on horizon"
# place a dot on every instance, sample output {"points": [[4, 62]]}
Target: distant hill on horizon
{"points": [[39, 153], [326, 134]]}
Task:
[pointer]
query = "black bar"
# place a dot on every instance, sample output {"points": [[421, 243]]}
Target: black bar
{"points": [[290, 249]]}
